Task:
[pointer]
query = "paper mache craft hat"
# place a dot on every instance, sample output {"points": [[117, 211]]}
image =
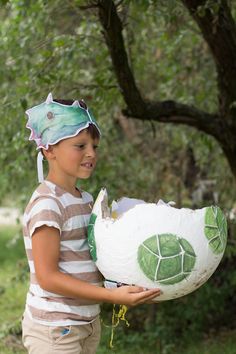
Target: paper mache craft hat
{"points": [[50, 122], [156, 245]]}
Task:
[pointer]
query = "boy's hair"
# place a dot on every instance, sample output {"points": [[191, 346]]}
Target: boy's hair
{"points": [[92, 129]]}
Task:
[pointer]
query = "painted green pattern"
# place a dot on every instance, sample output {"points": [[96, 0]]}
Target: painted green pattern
{"points": [[166, 258], [52, 122], [91, 238], [215, 229]]}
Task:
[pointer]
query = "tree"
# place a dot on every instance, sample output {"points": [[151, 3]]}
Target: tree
{"points": [[215, 20], [156, 51], [62, 50]]}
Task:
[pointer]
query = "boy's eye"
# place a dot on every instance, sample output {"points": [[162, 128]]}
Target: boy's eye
{"points": [[80, 146]]}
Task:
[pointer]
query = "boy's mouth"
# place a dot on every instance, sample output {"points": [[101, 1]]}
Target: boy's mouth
{"points": [[87, 164]]}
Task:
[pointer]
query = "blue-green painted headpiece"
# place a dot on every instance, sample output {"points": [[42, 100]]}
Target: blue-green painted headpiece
{"points": [[51, 121]]}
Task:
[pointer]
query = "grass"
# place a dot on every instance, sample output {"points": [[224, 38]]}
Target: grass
{"points": [[224, 343], [13, 287]]}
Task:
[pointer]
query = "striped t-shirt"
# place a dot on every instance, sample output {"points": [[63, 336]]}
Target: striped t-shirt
{"points": [[52, 206]]}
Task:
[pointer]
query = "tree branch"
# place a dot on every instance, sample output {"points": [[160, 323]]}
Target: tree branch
{"points": [[167, 111], [112, 31], [179, 113], [219, 30]]}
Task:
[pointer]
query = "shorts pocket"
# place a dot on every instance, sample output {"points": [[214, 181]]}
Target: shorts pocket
{"points": [[57, 334]]}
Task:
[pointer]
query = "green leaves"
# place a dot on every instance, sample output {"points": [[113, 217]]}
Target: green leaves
{"points": [[62, 49], [210, 5]]}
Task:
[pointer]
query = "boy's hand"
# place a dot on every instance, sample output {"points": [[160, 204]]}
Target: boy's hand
{"points": [[133, 295]]}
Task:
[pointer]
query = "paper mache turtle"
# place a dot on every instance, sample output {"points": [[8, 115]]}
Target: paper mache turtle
{"points": [[156, 245]]}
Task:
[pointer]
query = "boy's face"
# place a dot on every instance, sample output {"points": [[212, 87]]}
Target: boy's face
{"points": [[75, 157]]}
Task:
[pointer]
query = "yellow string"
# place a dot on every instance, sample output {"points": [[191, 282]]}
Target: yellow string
{"points": [[116, 318]]}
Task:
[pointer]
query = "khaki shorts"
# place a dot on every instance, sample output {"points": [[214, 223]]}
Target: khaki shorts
{"points": [[41, 339]]}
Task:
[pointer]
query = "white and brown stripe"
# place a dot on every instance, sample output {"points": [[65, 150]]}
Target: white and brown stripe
{"points": [[52, 206]]}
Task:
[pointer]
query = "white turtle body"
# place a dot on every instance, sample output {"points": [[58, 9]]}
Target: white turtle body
{"points": [[118, 241]]}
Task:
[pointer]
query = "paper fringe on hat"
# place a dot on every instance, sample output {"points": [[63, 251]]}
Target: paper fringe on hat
{"points": [[51, 122]]}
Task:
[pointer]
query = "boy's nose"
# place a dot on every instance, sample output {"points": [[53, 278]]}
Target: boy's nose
{"points": [[90, 152]]}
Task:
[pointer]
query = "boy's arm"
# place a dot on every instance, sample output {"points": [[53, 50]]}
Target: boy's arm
{"points": [[46, 252]]}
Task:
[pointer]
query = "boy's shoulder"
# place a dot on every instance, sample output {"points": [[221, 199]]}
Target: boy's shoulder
{"points": [[53, 190], [44, 190], [45, 195], [50, 190], [43, 198]]}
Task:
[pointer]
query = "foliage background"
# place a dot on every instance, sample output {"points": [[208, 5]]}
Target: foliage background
{"points": [[57, 47]]}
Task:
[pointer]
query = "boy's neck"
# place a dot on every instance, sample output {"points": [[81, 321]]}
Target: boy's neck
{"points": [[70, 188]]}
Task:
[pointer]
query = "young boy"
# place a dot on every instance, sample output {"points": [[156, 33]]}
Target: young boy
{"points": [[62, 305]]}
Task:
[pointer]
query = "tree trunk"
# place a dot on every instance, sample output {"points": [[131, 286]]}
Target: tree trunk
{"points": [[219, 31]]}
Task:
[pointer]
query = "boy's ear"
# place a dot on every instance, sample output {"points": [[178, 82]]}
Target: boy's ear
{"points": [[49, 153]]}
